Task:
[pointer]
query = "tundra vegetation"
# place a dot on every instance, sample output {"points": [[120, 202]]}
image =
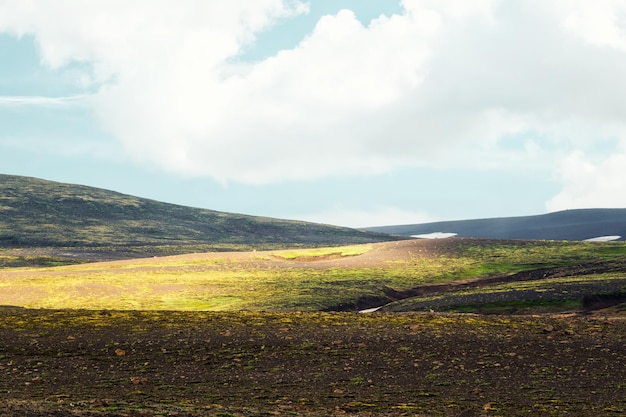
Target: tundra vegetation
{"points": [[261, 333], [70, 223], [416, 274]]}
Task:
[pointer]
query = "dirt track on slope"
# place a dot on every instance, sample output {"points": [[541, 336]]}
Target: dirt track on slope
{"points": [[378, 256], [381, 252]]}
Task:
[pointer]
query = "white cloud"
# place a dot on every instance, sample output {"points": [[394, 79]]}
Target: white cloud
{"points": [[440, 81], [21, 101], [600, 22], [591, 183]]}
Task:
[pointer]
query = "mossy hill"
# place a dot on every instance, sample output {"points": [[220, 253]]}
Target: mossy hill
{"points": [[40, 213]]}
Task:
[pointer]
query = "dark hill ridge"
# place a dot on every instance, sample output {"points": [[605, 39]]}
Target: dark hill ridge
{"points": [[578, 224], [40, 213]]}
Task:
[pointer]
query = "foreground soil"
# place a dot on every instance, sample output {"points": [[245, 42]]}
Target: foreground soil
{"points": [[85, 363]]}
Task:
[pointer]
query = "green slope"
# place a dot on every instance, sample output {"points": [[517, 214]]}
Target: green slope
{"points": [[35, 212], [414, 275]]}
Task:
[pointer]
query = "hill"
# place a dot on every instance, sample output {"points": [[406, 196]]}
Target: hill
{"points": [[40, 213], [579, 224]]}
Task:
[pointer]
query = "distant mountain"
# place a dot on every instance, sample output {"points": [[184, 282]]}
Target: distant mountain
{"points": [[579, 224], [40, 213]]}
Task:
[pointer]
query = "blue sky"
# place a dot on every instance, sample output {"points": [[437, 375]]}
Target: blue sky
{"points": [[357, 113]]}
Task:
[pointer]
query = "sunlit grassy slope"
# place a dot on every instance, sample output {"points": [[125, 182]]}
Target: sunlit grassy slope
{"points": [[306, 280], [38, 213]]}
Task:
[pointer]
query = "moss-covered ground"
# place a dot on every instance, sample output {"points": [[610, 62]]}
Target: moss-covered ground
{"points": [[322, 279]]}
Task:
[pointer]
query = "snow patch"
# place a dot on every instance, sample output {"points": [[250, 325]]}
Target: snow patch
{"points": [[602, 239], [435, 235], [370, 310]]}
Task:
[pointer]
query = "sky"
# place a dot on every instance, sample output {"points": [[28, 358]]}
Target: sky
{"points": [[348, 112]]}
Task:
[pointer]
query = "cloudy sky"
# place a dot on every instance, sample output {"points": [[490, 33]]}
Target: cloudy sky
{"points": [[349, 112]]}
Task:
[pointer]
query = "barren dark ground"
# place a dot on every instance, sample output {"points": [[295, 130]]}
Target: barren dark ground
{"points": [[83, 363]]}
